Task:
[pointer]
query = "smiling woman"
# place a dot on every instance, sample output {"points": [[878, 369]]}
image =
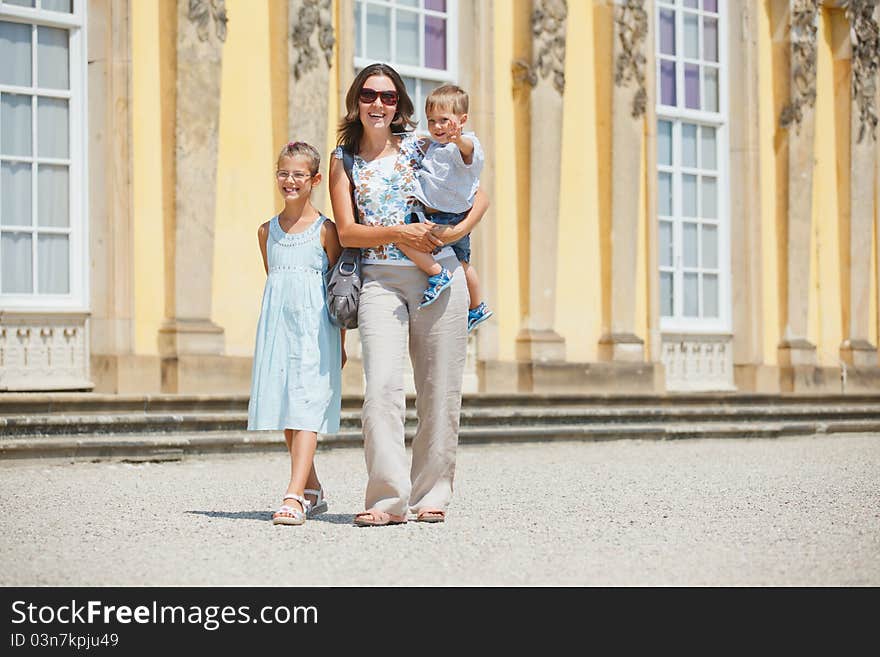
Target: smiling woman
{"points": [[376, 131]]}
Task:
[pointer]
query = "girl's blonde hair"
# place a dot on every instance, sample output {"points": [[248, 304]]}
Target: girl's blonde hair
{"points": [[350, 128], [304, 150]]}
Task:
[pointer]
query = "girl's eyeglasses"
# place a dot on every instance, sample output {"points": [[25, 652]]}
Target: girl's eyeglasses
{"points": [[298, 176], [368, 96]]}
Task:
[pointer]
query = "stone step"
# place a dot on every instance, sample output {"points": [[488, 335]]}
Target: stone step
{"points": [[60, 423], [173, 446]]}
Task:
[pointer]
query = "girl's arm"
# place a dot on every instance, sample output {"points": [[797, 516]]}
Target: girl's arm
{"points": [[417, 236], [451, 234], [262, 238], [332, 247]]}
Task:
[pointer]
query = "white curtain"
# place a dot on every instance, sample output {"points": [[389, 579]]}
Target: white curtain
{"points": [[15, 53], [17, 271], [53, 258]]}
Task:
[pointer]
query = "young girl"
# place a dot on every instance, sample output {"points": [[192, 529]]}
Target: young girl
{"points": [[296, 381]]}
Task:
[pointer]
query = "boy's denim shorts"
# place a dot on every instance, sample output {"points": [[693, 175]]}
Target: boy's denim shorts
{"points": [[461, 248]]}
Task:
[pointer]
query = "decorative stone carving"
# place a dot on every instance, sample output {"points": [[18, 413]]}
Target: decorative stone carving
{"points": [[312, 15], [201, 12], [48, 352], [803, 62], [548, 41], [865, 35], [695, 362], [632, 29]]}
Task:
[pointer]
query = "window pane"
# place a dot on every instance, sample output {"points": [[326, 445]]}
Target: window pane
{"points": [[52, 127], [52, 201], [691, 36], [689, 244], [56, 5], [665, 243], [710, 5], [691, 299], [664, 193], [435, 42], [710, 246], [52, 58], [408, 3], [664, 142], [692, 86], [688, 145], [690, 3], [667, 32], [15, 53], [711, 81], [15, 124], [15, 191], [436, 5], [20, 3], [689, 195], [710, 202], [407, 38], [666, 291], [53, 260], [378, 33], [710, 39], [15, 253], [710, 295], [667, 83], [708, 148], [358, 46]]}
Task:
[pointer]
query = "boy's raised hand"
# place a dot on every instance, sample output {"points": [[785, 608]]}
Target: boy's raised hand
{"points": [[454, 131]]}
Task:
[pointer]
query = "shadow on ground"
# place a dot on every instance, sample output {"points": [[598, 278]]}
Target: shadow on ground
{"points": [[262, 516]]}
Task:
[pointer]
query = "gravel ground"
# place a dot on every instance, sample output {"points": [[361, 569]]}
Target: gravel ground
{"points": [[783, 512]]}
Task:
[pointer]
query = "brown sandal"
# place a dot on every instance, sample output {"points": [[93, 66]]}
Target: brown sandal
{"points": [[431, 515], [374, 518]]}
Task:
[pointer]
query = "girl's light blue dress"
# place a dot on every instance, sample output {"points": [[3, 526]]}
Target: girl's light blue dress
{"points": [[296, 381]]}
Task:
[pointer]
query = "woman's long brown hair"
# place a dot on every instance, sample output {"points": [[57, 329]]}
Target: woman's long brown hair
{"points": [[350, 128]]}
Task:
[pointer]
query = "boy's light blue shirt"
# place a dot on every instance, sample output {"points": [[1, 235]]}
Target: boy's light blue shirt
{"points": [[445, 182]]}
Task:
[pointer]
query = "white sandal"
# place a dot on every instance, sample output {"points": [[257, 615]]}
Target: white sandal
{"points": [[297, 516], [320, 505]]}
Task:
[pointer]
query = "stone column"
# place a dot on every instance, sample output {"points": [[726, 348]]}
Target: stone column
{"points": [[857, 350], [310, 58], [799, 118], [628, 106], [537, 340], [188, 335], [476, 54], [745, 204]]}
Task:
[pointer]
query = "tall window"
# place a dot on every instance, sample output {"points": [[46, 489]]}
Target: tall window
{"points": [[42, 75], [691, 165], [416, 37]]}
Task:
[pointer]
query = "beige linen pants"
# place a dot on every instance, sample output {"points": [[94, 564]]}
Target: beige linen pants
{"points": [[389, 318]]}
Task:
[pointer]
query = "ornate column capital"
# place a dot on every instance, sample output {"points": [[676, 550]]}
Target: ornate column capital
{"points": [[803, 62], [313, 15], [631, 19], [202, 12], [548, 39], [865, 37]]}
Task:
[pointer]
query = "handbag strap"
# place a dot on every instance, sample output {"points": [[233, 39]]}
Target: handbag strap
{"points": [[348, 165]]}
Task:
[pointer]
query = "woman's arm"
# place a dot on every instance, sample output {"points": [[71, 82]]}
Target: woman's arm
{"points": [[454, 233], [330, 242], [351, 233]]}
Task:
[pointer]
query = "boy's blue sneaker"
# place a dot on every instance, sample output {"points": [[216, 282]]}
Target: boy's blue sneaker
{"points": [[436, 284], [477, 316]]}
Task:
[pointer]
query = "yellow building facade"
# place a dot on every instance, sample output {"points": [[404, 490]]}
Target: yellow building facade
{"points": [[684, 193]]}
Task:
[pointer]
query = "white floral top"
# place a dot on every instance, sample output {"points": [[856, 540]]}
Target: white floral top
{"points": [[384, 190]]}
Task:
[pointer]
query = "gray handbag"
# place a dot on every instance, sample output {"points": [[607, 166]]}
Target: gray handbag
{"points": [[343, 281]]}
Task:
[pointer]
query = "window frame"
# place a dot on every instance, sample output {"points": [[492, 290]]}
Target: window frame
{"points": [[450, 74], [720, 120], [77, 299]]}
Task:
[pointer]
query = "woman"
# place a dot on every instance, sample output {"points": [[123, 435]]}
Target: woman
{"points": [[378, 116]]}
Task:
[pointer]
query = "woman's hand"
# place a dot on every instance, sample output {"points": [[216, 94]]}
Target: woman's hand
{"points": [[419, 237]]}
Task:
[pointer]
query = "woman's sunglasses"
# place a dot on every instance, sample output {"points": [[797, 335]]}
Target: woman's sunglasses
{"points": [[368, 96]]}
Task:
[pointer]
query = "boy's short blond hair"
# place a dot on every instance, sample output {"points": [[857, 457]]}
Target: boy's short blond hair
{"points": [[448, 96]]}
